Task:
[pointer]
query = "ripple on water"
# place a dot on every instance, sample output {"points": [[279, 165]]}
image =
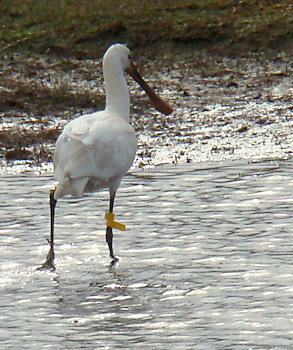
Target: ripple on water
{"points": [[206, 262]]}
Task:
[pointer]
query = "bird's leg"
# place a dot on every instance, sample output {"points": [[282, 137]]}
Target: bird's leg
{"points": [[109, 239], [109, 230], [49, 262]]}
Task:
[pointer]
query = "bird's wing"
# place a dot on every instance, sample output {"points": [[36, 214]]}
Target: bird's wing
{"points": [[97, 145], [80, 128]]}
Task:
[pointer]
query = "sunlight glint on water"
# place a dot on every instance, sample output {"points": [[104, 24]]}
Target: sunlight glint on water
{"points": [[205, 263]]}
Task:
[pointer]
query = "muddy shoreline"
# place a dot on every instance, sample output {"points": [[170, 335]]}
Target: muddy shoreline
{"points": [[224, 108]]}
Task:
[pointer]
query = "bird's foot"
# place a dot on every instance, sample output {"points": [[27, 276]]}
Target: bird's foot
{"points": [[49, 262], [114, 261]]}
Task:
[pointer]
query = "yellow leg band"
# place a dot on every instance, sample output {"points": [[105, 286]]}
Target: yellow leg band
{"points": [[114, 224]]}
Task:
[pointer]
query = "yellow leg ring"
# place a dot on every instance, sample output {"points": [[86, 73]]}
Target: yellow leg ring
{"points": [[114, 224]]}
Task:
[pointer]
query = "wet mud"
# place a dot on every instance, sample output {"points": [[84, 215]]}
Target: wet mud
{"points": [[224, 108]]}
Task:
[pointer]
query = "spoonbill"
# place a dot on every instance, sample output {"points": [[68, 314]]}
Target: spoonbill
{"points": [[96, 150]]}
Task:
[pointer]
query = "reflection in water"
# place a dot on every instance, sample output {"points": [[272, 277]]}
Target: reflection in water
{"points": [[206, 262]]}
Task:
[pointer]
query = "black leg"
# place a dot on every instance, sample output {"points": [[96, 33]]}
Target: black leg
{"points": [[109, 239], [49, 262], [109, 230]]}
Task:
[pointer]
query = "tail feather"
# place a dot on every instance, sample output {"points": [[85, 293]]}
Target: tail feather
{"points": [[74, 187]]}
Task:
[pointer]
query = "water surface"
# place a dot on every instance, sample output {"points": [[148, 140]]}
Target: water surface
{"points": [[205, 263]]}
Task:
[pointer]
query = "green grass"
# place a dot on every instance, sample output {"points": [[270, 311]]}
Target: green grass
{"points": [[86, 27]]}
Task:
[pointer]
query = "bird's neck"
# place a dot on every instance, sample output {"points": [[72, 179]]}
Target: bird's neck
{"points": [[117, 95]]}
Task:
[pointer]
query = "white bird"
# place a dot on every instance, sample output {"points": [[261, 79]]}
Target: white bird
{"points": [[96, 150]]}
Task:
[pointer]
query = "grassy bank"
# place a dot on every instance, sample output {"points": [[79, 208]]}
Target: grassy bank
{"points": [[77, 27]]}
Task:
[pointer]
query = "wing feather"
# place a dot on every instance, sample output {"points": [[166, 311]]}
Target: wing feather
{"points": [[97, 145]]}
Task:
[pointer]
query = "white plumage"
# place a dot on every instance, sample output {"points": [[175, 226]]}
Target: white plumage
{"points": [[96, 150], [103, 148]]}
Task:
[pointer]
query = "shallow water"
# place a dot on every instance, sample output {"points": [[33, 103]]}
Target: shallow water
{"points": [[206, 262]]}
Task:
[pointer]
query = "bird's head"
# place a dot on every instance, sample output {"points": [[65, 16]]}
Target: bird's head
{"points": [[123, 54]]}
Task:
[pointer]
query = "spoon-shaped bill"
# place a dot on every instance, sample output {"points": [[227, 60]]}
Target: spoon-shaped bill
{"points": [[157, 102]]}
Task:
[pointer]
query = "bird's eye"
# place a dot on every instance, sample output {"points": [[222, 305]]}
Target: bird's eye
{"points": [[129, 56]]}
